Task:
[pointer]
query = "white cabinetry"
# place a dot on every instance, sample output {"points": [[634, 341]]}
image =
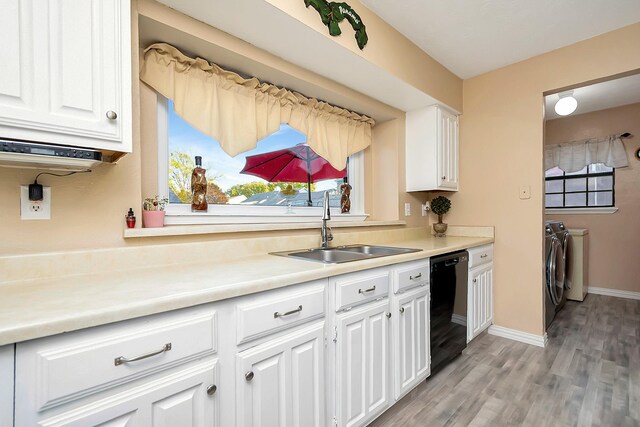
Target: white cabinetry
{"points": [[362, 368], [480, 294], [66, 72], [431, 149], [281, 382], [179, 399], [138, 372], [410, 317], [6, 385]]}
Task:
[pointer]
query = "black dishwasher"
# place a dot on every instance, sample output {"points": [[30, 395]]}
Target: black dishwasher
{"points": [[449, 274]]}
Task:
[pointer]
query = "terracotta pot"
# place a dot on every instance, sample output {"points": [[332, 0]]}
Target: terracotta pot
{"points": [[440, 228], [152, 219]]}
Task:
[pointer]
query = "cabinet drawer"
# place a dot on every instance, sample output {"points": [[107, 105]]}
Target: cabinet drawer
{"points": [[64, 367], [411, 275], [275, 311], [361, 287], [480, 255]]}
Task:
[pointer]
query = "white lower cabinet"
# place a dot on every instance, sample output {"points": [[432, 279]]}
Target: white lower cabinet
{"points": [[480, 300], [281, 382], [180, 399], [6, 385], [362, 368], [410, 318]]}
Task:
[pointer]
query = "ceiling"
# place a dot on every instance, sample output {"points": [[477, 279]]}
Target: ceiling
{"points": [[471, 37], [599, 96]]}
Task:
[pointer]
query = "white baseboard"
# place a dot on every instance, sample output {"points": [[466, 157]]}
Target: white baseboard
{"points": [[513, 334], [458, 319], [614, 293]]}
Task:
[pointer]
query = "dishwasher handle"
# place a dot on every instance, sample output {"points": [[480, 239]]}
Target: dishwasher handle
{"points": [[450, 262]]}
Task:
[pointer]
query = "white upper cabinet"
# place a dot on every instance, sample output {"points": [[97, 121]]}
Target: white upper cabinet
{"points": [[66, 73], [431, 149]]}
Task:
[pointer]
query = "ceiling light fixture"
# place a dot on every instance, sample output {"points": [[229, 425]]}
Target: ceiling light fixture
{"points": [[567, 104]]}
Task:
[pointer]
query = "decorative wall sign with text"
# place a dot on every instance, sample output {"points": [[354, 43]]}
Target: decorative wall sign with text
{"points": [[332, 13]]}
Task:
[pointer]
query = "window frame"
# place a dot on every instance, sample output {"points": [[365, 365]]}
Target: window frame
{"points": [[586, 176], [234, 214]]}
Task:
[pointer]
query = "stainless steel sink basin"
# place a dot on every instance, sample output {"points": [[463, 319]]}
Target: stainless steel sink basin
{"points": [[341, 254], [376, 250]]}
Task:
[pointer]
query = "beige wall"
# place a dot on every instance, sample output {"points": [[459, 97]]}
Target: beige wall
{"points": [[614, 239], [501, 149], [389, 50]]}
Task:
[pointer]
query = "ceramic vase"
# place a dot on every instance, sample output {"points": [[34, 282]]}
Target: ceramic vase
{"points": [[439, 228], [152, 219]]}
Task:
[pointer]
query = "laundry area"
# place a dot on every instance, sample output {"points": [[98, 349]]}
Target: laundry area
{"points": [[591, 161]]}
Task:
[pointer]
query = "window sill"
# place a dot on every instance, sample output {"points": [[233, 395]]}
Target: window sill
{"points": [[580, 211], [187, 230]]}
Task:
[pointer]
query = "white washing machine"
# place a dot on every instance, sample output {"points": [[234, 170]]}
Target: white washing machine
{"points": [[555, 274]]}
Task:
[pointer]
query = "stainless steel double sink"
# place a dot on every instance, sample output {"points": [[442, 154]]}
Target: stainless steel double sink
{"points": [[340, 254]]}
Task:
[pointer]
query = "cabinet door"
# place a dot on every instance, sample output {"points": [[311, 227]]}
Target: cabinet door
{"points": [[7, 369], [447, 145], [410, 317], [179, 399], [281, 382], [480, 298], [71, 67], [362, 368]]}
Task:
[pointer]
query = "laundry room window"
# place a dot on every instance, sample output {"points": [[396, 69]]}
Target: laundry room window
{"points": [[239, 194], [591, 187]]}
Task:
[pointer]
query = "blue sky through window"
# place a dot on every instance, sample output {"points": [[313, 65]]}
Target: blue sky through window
{"points": [[185, 138]]}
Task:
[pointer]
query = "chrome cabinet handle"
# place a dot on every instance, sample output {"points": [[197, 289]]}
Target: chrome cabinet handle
{"points": [[475, 280], [111, 115], [444, 177], [278, 314], [401, 309], [415, 277], [248, 376], [364, 291], [212, 389], [120, 360], [484, 256], [388, 315]]}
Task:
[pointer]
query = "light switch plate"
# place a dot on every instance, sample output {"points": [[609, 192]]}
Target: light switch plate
{"points": [[35, 210], [525, 192], [407, 209]]}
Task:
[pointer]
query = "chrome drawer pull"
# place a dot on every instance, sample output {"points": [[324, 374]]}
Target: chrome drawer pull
{"points": [[401, 309], [415, 277], [364, 291], [278, 314], [120, 360], [484, 256]]}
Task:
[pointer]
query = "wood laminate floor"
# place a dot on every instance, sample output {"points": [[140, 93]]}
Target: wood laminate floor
{"points": [[588, 375]]}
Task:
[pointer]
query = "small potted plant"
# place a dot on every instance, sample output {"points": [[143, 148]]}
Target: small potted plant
{"points": [[153, 211], [440, 206]]}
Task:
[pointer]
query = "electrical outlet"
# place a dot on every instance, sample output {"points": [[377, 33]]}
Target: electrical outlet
{"points": [[35, 210], [407, 209], [425, 208], [525, 192]]}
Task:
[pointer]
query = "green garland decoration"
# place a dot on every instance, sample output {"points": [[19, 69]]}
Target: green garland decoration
{"points": [[332, 13]]}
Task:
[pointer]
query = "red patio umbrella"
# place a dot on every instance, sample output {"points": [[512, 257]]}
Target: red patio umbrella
{"points": [[294, 164]]}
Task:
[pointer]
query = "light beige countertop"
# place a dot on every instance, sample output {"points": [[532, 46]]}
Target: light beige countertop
{"points": [[43, 306]]}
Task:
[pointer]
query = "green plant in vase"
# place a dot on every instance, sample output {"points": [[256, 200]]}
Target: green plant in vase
{"points": [[440, 206]]}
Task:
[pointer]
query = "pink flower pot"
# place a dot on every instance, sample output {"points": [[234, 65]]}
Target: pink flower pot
{"points": [[151, 219]]}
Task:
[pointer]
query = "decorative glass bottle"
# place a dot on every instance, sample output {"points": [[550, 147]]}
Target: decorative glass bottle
{"points": [[199, 187]]}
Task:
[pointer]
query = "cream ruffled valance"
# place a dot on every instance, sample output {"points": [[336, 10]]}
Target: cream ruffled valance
{"points": [[239, 112], [574, 156]]}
